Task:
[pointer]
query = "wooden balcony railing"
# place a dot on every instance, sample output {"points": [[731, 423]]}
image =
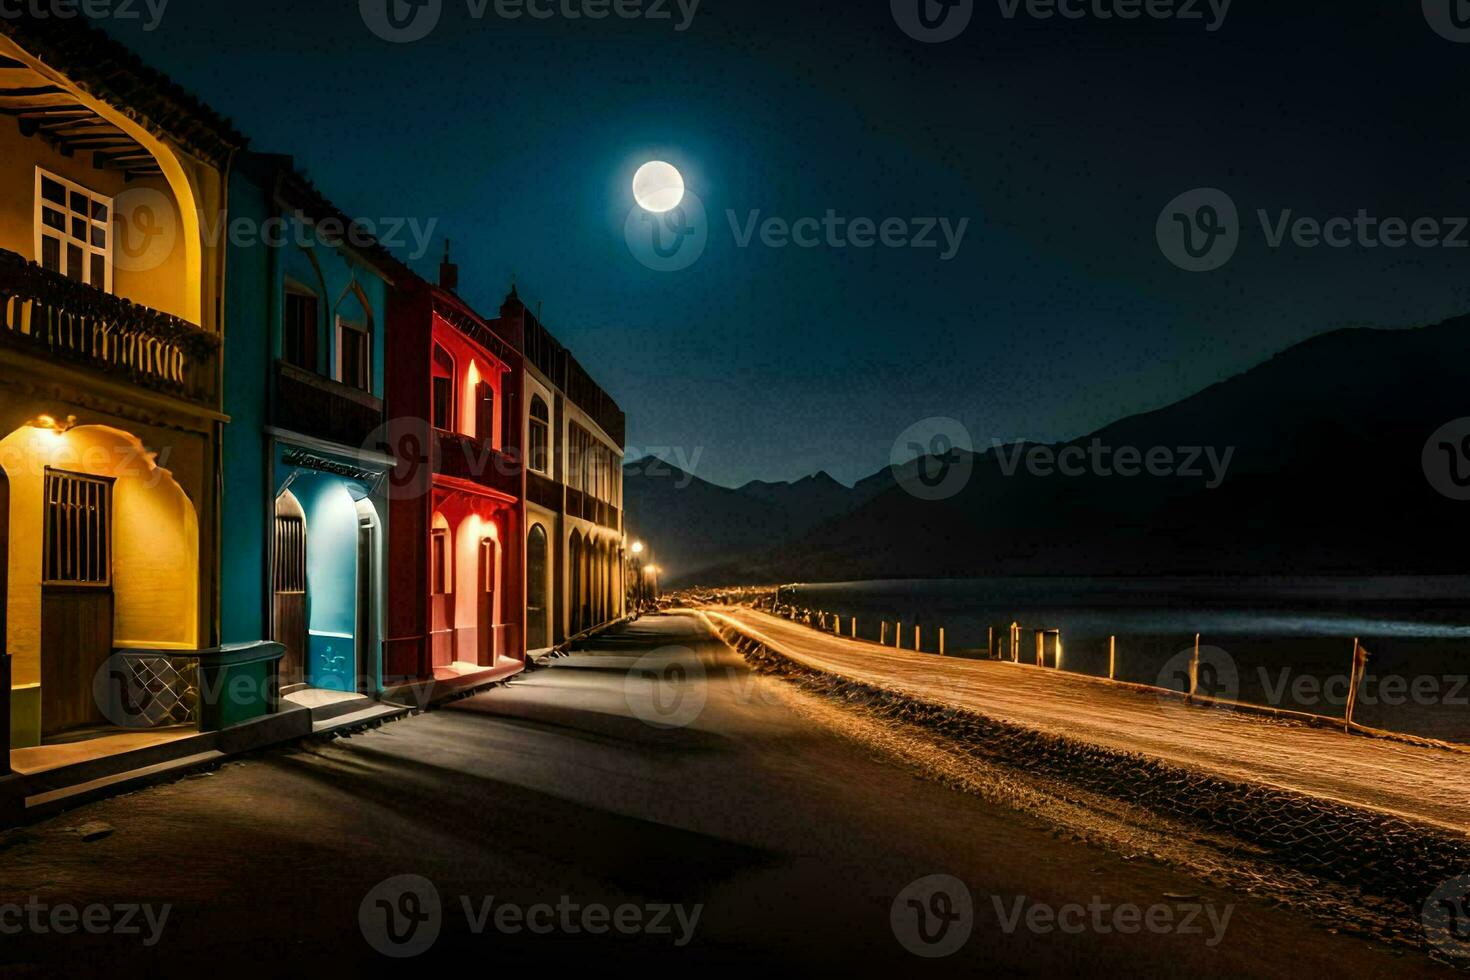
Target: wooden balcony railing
{"points": [[467, 458], [50, 315], [316, 406]]}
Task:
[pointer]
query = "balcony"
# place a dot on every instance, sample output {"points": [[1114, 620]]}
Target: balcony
{"points": [[316, 406], [53, 317], [467, 458]]}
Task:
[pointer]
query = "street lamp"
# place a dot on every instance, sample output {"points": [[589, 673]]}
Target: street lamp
{"points": [[638, 590]]}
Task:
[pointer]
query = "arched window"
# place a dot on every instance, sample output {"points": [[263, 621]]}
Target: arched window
{"points": [[537, 577], [539, 450], [444, 414], [355, 340]]}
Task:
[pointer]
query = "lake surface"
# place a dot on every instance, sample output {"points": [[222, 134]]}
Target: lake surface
{"points": [[1286, 643]]}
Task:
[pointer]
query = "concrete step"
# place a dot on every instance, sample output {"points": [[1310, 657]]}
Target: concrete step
{"points": [[53, 801], [364, 716], [113, 764]]}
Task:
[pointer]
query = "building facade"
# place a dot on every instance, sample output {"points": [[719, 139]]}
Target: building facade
{"points": [[307, 493], [574, 435], [110, 379], [457, 496]]}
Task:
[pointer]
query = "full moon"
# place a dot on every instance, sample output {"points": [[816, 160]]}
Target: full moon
{"points": [[658, 187]]}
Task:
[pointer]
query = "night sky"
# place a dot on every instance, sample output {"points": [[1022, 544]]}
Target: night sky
{"points": [[1060, 140]]}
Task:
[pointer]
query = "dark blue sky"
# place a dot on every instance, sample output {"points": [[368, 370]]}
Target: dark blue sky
{"points": [[1059, 140]]}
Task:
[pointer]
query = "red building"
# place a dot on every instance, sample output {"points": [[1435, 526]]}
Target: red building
{"points": [[456, 604]]}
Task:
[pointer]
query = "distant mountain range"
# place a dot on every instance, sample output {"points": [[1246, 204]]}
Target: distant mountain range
{"points": [[1312, 462]]}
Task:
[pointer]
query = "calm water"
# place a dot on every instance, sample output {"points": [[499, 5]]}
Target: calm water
{"points": [[1279, 642]]}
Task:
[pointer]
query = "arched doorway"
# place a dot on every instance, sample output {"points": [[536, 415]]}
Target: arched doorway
{"points": [[489, 583], [366, 681], [107, 559], [5, 679], [289, 584], [441, 592], [574, 586], [537, 637]]}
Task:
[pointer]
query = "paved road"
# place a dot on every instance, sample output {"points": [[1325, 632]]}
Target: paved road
{"points": [[1420, 783], [556, 790]]}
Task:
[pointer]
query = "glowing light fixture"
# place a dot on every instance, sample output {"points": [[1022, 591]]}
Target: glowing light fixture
{"points": [[637, 547], [49, 423]]}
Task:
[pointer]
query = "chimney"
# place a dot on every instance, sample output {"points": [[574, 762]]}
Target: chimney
{"points": [[448, 272]]}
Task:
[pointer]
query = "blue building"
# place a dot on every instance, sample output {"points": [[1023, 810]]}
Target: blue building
{"points": [[306, 491]]}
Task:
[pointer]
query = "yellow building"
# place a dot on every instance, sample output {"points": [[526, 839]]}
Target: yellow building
{"points": [[111, 267]]}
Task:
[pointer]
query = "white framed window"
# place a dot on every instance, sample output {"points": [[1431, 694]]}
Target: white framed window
{"points": [[354, 355], [539, 449], [73, 230]]}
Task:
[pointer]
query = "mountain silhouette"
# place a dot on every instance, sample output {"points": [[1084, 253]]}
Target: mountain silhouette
{"points": [[1326, 452]]}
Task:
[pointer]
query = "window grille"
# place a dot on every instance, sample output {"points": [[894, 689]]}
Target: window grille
{"points": [[78, 530]]}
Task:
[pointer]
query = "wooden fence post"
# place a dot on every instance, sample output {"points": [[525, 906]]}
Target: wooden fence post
{"points": [[1059, 649], [1360, 671], [941, 641], [1194, 669], [1112, 658], [990, 643], [1041, 648], [883, 639], [918, 639], [854, 627], [898, 635]]}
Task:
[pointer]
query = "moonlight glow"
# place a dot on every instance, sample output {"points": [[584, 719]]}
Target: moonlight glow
{"points": [[658, 187]]}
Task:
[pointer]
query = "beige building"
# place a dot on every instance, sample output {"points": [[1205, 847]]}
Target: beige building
{"points": [[575, 545]]}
